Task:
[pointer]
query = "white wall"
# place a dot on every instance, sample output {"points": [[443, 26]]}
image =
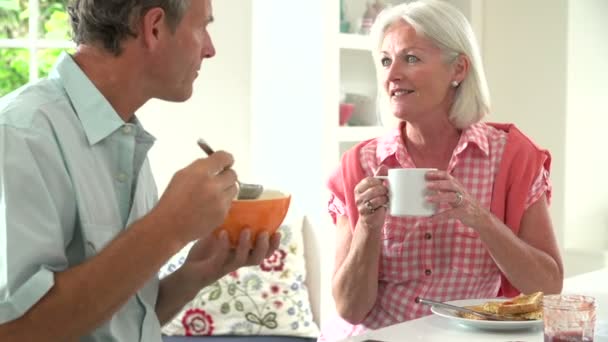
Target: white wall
{"points": [[586, 193], [525, 55], [288, 115], [220, 108]]}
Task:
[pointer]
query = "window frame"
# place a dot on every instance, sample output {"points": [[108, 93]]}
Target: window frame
{"points": [[33, 43]]}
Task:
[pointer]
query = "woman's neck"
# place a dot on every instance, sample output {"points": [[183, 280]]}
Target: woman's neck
{"points": [[431, 144]]}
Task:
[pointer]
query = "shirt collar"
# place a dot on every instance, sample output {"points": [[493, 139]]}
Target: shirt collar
{"points": [[390, 143], [475, 136], [142, 135], [98, 117]]}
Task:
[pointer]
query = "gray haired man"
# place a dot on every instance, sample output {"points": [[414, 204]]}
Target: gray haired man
{"points": [[82, 231]]}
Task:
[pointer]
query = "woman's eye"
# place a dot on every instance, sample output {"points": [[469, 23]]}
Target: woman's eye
{"points": [[385, 61], [411, 59]]}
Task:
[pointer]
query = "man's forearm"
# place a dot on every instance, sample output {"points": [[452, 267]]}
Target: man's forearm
{"points": [[176, 290], [88, 294]]}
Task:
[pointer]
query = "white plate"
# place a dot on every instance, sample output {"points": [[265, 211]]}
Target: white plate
{"points": [[488, 325]]}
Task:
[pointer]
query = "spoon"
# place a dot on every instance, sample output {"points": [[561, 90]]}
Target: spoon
{"points": [[246, 191]]}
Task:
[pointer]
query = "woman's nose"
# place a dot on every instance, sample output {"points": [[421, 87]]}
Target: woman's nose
{"points": [[394, 72]]}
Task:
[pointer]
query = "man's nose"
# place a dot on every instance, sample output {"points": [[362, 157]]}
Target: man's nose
{"points": [[208, 49]]}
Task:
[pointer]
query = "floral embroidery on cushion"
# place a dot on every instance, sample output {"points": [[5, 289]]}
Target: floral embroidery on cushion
{"points": [[270, 299], [275, 262], [197, 322]]}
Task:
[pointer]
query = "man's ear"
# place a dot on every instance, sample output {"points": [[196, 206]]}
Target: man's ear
{"points": [[153, 27]]}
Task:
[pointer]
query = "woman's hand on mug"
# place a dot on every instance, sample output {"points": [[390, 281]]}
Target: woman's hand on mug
{"points": [[463, 207], [371, 197]]}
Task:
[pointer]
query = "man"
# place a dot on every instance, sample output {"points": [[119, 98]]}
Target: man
{"points": [[82, 232]]}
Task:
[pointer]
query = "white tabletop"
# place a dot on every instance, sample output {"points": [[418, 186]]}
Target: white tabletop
{"points": [[435, 328]]}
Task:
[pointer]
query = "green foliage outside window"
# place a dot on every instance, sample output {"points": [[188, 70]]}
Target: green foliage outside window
{"points": [[14, 62]]}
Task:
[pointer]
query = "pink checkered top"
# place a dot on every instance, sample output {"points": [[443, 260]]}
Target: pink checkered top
{"points": [[441, 261]]}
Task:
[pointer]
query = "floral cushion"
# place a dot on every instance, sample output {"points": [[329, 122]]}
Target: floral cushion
{"points": [[270, 299]]}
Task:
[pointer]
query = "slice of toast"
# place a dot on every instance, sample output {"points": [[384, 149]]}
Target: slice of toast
{"points": [[482, 308], [487, 307], [531, 316], [520, 308], [491, 307], [477, 308], [521, 304]]}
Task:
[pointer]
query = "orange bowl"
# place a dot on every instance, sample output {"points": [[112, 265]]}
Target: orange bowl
{"points": [[264, 214]]}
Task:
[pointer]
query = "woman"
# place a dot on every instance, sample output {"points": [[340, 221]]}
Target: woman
{"points": [[492, 235]]}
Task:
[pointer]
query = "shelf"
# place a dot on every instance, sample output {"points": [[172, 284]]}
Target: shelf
{"points": [[359, 133], [351, 41]]}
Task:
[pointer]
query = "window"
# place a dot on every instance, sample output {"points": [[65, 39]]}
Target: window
{"points": [[32, 35]]}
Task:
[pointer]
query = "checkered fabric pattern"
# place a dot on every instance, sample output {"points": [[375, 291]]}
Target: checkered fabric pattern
{"points": [[441, 261]]}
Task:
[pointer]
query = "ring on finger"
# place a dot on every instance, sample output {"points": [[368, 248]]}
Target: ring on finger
{"points": [[459, 199], [369, 206]]}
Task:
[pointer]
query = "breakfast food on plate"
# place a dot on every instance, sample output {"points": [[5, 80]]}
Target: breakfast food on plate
{"points": [[520, 308], [521, 304]]}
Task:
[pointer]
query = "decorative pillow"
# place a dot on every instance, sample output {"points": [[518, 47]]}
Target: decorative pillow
{"points": [[270, 299]]}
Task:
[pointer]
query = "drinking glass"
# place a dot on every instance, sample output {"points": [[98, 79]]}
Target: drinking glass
{"points": [[569, 318]]}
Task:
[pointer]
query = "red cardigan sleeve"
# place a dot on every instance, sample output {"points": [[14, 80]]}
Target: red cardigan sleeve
{"points": [[518, 169], [343, 180]]}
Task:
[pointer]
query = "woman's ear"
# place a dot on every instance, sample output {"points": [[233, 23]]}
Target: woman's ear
{"points": [[461, 68]]}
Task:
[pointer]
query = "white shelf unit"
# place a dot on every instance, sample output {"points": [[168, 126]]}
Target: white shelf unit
{"points": [[352, 41], [356, 77], [354, 133]]}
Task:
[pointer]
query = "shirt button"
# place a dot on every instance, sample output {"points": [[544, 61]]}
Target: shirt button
{"points": [[428, 272], [428, 236], [126, 129], [122, 177]]}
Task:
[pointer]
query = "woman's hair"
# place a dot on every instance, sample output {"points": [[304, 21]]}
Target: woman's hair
{"points": [[110, 22], [449, 30]]}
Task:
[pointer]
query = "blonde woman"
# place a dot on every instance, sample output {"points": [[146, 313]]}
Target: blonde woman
{"points": [[492, 235]]}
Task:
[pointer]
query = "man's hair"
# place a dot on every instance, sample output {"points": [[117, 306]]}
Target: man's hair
{"points": [[449, 30], [110, 22]]}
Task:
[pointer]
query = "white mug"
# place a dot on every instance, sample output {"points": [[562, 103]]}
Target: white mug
{"points": [[407, 192]]}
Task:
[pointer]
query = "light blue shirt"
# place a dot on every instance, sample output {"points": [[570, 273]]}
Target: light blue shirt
{"points": [[73, 175]]}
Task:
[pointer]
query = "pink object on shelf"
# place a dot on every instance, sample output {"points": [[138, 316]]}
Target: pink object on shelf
{"points": [[346, 111]]}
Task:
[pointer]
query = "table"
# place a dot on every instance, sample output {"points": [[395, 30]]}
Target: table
{"points": [[435, 328]]}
